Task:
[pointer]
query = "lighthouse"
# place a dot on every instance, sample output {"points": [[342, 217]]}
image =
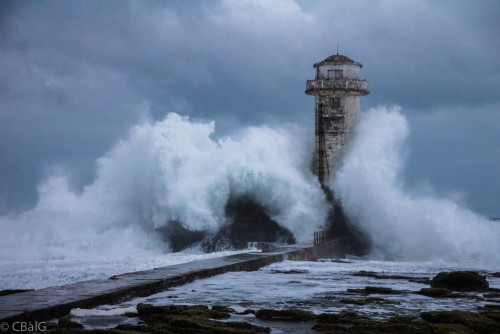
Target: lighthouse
{"points": [[337, 89]]}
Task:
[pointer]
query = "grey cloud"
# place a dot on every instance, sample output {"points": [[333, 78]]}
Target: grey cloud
{"points": [[457, 151], [74, 75]]}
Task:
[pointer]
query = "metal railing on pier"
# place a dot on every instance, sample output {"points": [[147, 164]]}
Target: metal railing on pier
{"points": [[320, 237], [352, 85]]}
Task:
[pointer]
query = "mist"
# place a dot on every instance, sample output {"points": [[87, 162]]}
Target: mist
{"points": [[404, 222], [169, 170], [175, 170]]}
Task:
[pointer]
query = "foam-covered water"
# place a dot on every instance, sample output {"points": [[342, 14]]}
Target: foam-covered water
{"points": [[174, 169], [320, 287], [403, 223], [38, 274], [163, 171]]}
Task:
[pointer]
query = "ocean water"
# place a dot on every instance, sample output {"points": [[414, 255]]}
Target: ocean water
{"points": [[38, 274], [176, 169], [316, 286]]}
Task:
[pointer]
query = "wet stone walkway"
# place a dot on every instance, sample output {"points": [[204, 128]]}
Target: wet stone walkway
{"points": [[48, 303]]}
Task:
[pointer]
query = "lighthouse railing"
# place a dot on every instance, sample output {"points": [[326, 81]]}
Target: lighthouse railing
{"points": [[340, 84]]}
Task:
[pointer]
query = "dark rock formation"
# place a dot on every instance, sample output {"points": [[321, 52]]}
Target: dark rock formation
{"points": [[13, 291], [67, 323], [200, 319], [380, 276], [285, 315], [376, 290], [460, 281], [249, 223], [339, 226], [189, 319], [479, 323], [351, 322], [493, 295], [435, 292], [369, 300], [180, 237], [289, 271]]}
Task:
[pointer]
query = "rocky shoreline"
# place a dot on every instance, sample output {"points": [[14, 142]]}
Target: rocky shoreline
{"points": [[199, 319], [193, 319]]}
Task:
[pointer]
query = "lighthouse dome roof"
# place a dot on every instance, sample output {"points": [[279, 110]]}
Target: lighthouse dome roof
{"points": [[337, 60]]}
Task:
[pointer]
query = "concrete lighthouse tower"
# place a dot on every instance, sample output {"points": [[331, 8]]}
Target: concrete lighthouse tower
{"points": [[336, 89]]}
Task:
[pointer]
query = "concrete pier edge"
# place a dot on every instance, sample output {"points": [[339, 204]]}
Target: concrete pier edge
{"points": [[53, 302]]}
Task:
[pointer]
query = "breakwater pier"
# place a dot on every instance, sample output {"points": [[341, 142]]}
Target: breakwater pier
{"points": [[53, 302]]}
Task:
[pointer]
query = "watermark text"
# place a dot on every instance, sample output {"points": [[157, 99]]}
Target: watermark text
{"points": [[23, 326]]}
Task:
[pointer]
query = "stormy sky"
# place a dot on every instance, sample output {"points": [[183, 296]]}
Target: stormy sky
{"points": [[75, 75]]}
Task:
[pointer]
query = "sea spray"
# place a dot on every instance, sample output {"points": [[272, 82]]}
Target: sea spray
{"points": [[402, 223], [168, 170], [175, 170]]}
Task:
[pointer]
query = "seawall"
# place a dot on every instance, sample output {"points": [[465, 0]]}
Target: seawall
{"points": [[53, 302]]}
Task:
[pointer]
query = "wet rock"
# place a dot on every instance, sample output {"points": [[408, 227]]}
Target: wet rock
{"points": [[285, 315], [67, 323], [130, 314], [451, 328], [435, 292], [365, 273], [331, 328], [289, 271], [191, 320], [351, 322], [224, 309], [13, 291], [460, 281], [178, 236], [393, 328], [368, 301], [339, 227], [147, 310], [402, 319], [376, 290], [379, 276], [248, 222], [333, 260], [346, 317], [493, 295], [493, 315], [423, 280], [491, 307], [475, 321], [190, 325]]}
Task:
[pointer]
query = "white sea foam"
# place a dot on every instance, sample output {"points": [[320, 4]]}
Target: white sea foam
{"points": [[163, 171], [402, 223], [81, 312], [175, 170], [319, 287], [38, 274]]}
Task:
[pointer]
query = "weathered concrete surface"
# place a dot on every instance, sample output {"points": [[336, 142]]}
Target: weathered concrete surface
{"points": [[57, 301], [337, 89]]}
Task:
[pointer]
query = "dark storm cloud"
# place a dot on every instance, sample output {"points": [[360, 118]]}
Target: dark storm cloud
{"points": [[422, 53], [75, 75], [448, 145]]}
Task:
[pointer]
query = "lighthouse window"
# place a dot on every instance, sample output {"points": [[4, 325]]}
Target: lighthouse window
{"points": [[335, 102], [335, 74]]}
